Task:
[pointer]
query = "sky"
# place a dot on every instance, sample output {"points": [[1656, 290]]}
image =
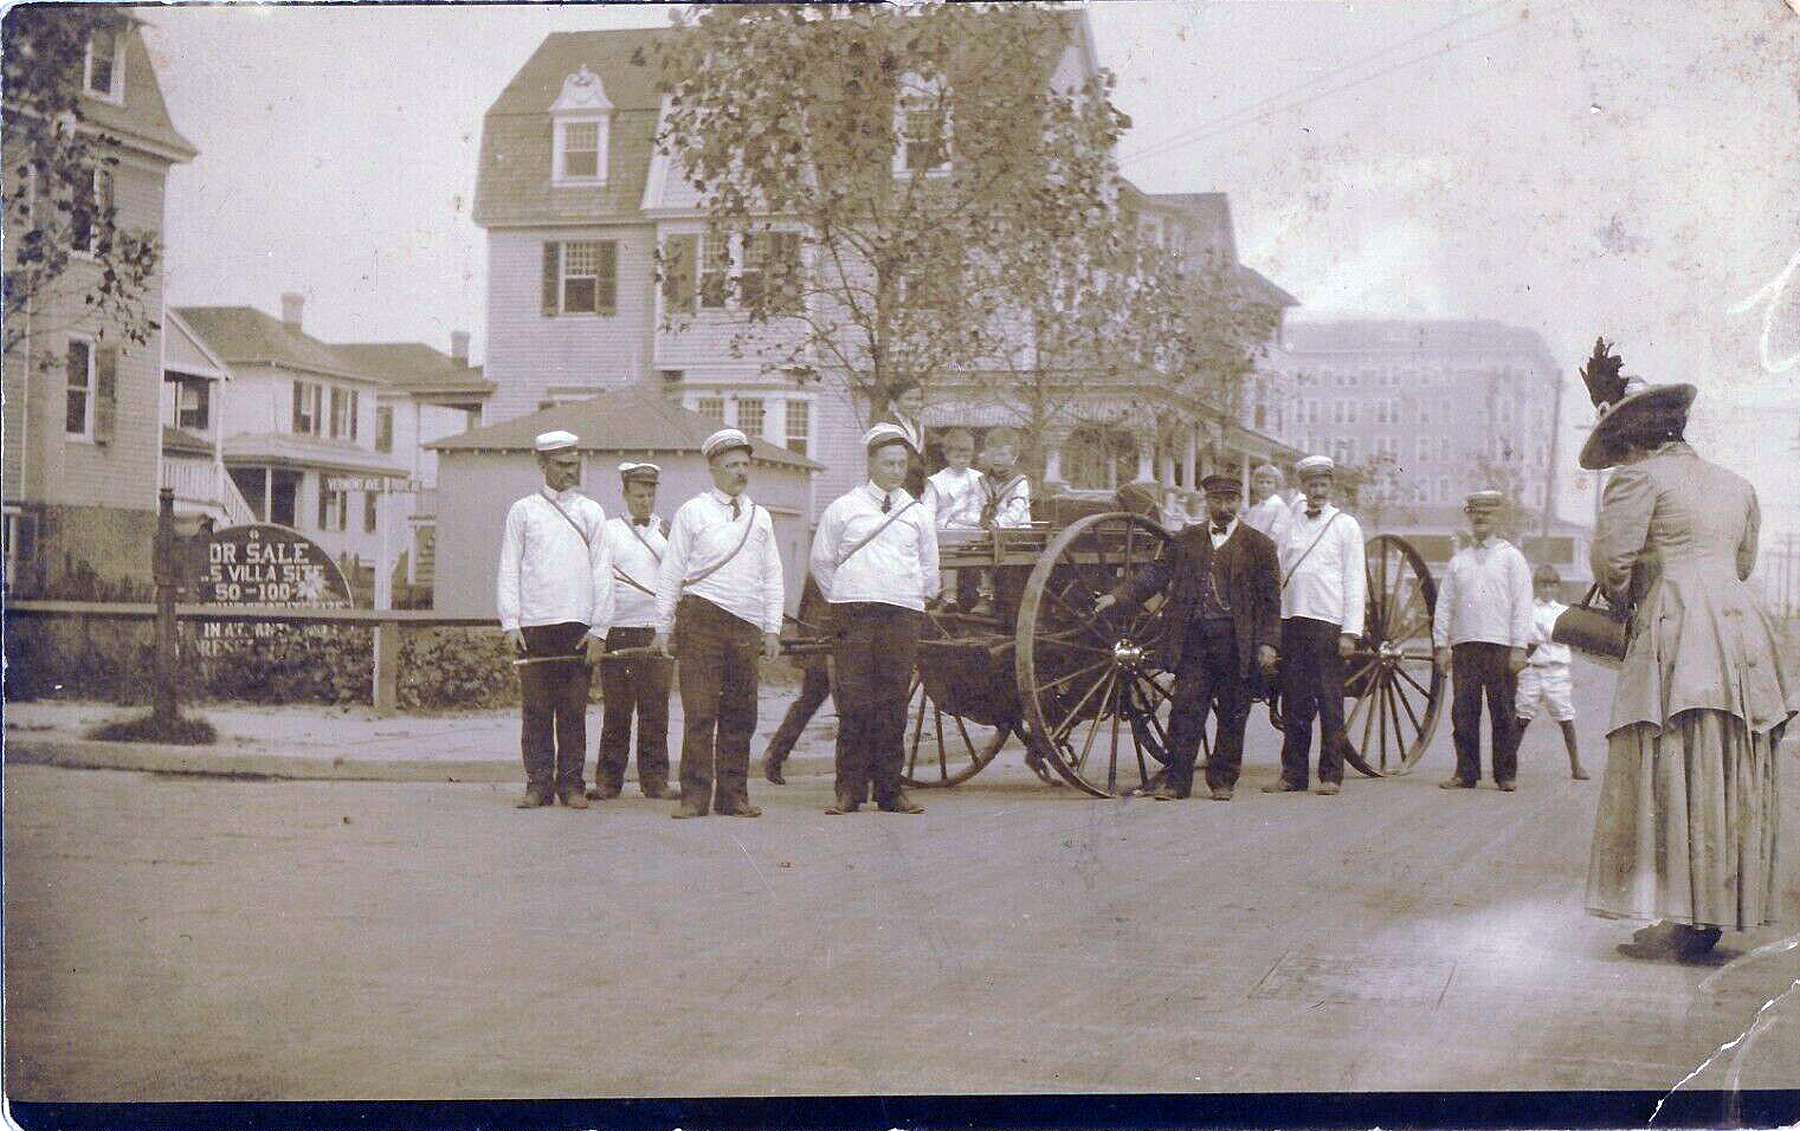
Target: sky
{"points": [[1626, 168]]}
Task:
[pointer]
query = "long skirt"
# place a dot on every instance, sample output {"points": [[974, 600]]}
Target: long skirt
{"points": [[1686, 824]]}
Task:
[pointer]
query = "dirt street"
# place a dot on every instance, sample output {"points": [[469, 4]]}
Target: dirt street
{"points": [[195, 938]]}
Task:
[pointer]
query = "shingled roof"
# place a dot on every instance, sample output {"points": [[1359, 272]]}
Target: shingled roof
{"points": [[415, 367], [143, 118], [244, 335], [636, 419], [512, 184]]}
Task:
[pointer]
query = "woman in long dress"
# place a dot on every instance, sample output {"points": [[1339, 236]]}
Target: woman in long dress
{"points": [[1686, 828]]}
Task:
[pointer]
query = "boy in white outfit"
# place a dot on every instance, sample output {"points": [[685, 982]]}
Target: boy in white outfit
{"points": [[1545, 682], [955, 494]]}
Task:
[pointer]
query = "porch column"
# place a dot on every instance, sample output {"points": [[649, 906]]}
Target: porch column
{"points": [[268, 515], [1052, 462], [1146, 460], [1190, 461]]}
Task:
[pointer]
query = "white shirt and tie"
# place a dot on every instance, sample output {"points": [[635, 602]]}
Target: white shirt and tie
{"points": [[1485, 597], [897, 566], [1221, 534], [1326, 584], [555, 570], [706, 531], [1013, 507], [636, 569]]}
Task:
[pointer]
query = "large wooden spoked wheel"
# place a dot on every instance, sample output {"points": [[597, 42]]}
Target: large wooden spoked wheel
{"points": [[1397, 691], [941, 749], [1094, 702]]}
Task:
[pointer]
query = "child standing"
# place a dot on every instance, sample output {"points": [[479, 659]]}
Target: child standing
{"points": [[955, 494], [1007, 495], [1545, 682]]}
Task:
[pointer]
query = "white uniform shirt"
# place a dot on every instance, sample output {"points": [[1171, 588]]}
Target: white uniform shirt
{"points": [[1328, 584], [899, 566], [749, 586], [1268, 516], [1015, 499], [636, 569], [1543, 621], [548, 573], [1485, 597], [955, 498]]}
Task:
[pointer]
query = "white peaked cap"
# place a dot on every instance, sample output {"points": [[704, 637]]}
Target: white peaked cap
{"points": [[881, 435], [724, 440], [556, 441]]}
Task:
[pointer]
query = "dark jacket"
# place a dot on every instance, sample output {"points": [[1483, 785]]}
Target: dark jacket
{"points": [[1250, 582]]}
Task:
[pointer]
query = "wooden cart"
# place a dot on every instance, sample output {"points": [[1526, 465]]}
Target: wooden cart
{"points": [[1083, 692]]}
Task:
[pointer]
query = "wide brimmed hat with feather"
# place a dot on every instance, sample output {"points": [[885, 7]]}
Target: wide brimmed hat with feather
{"points": [[1623, 403]]}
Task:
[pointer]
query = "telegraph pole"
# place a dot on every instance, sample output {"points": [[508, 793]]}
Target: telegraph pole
{"points": [[163, 572], [1555, 437]]}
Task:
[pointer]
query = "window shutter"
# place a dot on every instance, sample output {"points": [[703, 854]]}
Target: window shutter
{"points": [[353, 414], [298, 396], [552, 279], [679, 254], [106, 381], [606, 285]]}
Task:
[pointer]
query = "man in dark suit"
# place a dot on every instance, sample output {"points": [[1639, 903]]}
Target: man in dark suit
{"points": [[1221, 632]]}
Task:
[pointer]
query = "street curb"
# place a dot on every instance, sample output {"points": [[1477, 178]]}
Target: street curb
{"points": [[201, 761]]}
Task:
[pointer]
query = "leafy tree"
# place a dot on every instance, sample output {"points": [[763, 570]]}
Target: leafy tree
{"points": [[908, 149], [57, 189]]}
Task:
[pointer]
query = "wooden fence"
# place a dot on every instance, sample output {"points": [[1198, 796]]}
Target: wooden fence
{"points": [[386, 623]]}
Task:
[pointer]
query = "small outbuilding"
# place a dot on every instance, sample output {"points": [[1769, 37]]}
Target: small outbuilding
{"points": [[481, 472]]}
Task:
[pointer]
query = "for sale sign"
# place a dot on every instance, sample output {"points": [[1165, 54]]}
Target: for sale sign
{"points": [[264, 564]]}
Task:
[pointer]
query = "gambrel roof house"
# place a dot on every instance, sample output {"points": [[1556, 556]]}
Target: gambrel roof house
{"points": [[576, 203], [82, 407]]}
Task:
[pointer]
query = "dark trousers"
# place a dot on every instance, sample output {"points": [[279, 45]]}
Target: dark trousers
{"points": [[1312, 681], [628, 687], [872, 666], [553, 705], [1475, 668], [815, 688], [718, 654], [1208, 678]]}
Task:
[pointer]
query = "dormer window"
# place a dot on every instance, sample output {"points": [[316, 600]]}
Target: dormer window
{"points": [[581, 116], [103, 75]]}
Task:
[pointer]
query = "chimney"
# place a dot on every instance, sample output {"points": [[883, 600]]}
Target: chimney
{"points": [[291, 306], [459, 347]]}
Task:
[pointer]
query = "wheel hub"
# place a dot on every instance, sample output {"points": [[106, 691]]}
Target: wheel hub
{"points": [[1126, 654]]}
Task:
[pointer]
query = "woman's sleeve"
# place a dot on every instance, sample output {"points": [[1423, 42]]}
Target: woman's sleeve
{"points": [[1623, 529], [1746, 551]]}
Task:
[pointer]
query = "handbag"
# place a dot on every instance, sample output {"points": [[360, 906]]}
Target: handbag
{"points": [[1592, 627]]}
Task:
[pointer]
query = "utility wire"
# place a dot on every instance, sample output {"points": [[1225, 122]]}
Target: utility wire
{"points": [[1225, 124]]}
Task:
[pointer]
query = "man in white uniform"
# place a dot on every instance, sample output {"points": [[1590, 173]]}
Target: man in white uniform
{"points": [[1479, 634], [876, 559], [1322, 595], [638, 686], [1267, 512], [720, 599], [555, 598]]}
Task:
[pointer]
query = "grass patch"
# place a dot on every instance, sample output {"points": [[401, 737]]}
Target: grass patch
{"points": [[182, 731]]}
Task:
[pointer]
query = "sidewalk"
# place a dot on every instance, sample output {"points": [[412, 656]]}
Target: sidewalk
{"points": [[315, 743]]}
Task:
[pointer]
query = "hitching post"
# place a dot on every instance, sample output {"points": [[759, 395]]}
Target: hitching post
{"points": [[162, 571]]}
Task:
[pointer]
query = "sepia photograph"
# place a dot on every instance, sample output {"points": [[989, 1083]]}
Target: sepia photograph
{"points": [[1154, 562]]}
